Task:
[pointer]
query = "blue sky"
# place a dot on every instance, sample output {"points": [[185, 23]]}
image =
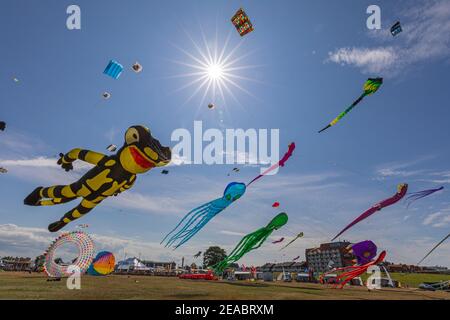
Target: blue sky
{"points": [[311, 58]]}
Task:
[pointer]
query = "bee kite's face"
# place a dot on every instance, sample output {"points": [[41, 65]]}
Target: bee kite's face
{"points": [[141, 151]]}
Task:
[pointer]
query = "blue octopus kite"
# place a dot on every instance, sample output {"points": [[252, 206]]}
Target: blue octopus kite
{"points": [[198, 217]]}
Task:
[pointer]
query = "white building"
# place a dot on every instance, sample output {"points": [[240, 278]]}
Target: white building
{"points": [[131, 264]]}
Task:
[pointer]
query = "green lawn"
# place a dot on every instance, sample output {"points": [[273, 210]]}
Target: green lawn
{"points": [[35, 286], [414, 279]]}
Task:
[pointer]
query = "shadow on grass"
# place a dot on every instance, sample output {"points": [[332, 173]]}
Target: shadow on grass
{"points": [[301, 288], [263, 285], [187, 295], [238, 284]]}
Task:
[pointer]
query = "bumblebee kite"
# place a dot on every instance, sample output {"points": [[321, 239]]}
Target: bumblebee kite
{"points": [[110, 176]]}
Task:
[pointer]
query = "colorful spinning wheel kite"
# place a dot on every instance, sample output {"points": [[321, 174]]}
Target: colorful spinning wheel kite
{"points": [[85, 246]]}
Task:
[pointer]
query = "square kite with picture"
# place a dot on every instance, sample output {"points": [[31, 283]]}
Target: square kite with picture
{"points": [[242, 22]]}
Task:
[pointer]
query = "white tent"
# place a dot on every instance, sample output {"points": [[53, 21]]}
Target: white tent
{"points": [[132, 264]]}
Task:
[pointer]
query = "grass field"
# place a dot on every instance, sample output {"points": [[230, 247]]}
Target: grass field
{"points": [[414, 279], [35, 286]]}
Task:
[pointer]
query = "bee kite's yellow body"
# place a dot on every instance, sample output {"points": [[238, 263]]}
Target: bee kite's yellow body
{"points": [[110, 176]]}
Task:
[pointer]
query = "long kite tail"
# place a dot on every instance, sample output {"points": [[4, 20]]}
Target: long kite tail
{"points": [[383, 204], [189, 230], [342, 114], [356, 271], [280, 163], [440, 242], [193, 231], [197, 222], [194, 221], [221, 265], [250, 242], [298, 236], [325, 128], [363, 216], [288, 243], [188, 215], [278, 241], [421, 194]]}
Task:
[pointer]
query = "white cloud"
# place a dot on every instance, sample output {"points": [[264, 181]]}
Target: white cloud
{"points": [[425, 37], [232, 233], [443, 222], [431, 217], [25, 241], [373, 60], [155, 204], [43, 170], [438, 219], [178, 160], [41, 162], [444, 177], [15, 143], [402, 169], [390, 172], [246, 158]]}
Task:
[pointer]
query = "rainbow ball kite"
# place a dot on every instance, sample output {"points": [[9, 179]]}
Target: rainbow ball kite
{"points": [[103, 264], [85, 246]]}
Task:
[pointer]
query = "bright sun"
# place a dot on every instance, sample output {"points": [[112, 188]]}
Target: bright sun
{"points": [[215, 71]]}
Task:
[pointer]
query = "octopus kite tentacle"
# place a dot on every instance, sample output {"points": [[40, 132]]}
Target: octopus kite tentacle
{"points": [[191, 214], [187, 235], [197, 218], [351, 272], [194, 224], [251, 242], [414, 196]]}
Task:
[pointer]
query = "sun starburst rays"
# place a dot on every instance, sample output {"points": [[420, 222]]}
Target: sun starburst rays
{"points": [[213, 71]]}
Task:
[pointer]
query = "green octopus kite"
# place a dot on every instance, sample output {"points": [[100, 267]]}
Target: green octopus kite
{"points": [[371, 86], [251, 242]]}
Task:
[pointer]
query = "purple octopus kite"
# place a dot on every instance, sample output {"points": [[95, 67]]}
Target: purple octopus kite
{"points": [[364, 251]]}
